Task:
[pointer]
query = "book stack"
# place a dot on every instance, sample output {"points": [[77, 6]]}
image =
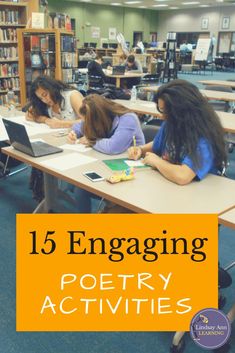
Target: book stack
{"points": [[8, 53], [7, 70], [8, 16], [12, 83], [68, 43], [56, 20], [8, 35], [69, 60]]}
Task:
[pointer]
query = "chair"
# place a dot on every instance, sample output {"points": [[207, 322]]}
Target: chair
{"points": [[95, 82], [150, 131], [149, 79], [221, 106]]}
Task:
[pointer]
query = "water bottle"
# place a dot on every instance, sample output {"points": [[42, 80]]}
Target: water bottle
{"points": [[10, 97], [11, 101], [133, 93]]}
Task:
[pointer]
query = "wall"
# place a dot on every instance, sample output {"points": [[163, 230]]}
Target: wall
{"points": [[190, 20], [125, 20]]}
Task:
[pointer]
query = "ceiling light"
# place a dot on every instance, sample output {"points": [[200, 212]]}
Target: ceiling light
{"points": [[173, 8], [219, 0], [132, 2], [142, 7], [160, 5], [115, 3], [204, 5], [191, 3]]}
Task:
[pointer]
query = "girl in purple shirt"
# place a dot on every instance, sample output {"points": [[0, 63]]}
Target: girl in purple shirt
{"points": [[107, 127]]}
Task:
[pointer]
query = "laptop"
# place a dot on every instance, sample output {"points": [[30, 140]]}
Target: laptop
{"points": [[118, 70], [19, 139]]}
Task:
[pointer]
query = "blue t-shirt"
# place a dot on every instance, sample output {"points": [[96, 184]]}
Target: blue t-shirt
{"points": [[204, 149]]}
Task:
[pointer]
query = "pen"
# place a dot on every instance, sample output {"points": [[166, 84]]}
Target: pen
{"points": [[134, 144]]}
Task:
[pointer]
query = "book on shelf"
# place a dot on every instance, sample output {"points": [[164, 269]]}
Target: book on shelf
{"points": [[8, 70], [9, 17], [48, 59], [35, 43], [11, 83], [56, 20], [8, 53], [37, 60], [51, 43], [8, 35], [69, 59], [68, 43]]}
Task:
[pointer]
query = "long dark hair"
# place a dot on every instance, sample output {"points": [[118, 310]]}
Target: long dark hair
{"points": [[54, 87], [190, 117], [98, 113]]}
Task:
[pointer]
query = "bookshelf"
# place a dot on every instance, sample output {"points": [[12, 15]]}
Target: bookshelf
{"points": [[13, 15], [49, 52]]}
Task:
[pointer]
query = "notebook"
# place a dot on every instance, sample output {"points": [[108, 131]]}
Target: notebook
{"points": [[118, 70], [19, 139], [120, 164]]}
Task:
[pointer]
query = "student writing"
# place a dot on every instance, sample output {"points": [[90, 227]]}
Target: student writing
{"points": [[190, 143], [53, 103], [108, 128]]}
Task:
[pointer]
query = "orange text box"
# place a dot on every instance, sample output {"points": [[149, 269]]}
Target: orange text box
{"points": [[115, 272]]}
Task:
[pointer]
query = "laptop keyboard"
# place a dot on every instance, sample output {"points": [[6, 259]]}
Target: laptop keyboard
{"points": [[42, 148]]}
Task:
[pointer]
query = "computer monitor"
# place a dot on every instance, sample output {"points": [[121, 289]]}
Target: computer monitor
{"points": [[113, 45]]}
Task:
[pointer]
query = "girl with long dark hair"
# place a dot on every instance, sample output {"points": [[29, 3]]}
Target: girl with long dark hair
{"points": [[54, 103], [190, 143]]}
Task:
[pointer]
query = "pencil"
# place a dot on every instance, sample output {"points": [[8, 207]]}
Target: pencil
{"points": [[134, 144]]}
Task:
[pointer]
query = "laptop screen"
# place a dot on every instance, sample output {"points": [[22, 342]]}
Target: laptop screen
{"points": [[118, 70]]}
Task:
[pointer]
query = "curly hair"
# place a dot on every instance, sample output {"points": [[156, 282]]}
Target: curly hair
{"points": [[189, 117], [54, 87]]}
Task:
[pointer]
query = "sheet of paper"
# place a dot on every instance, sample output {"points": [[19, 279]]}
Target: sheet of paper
{"points": [[78, 147], [67, 161], [32, 127], [134, 163], [37, 140]]}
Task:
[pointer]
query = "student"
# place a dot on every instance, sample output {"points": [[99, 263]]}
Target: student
{"points": [[54, 103], [190, 143], [108, 128], [132, 65], [95, 68]]}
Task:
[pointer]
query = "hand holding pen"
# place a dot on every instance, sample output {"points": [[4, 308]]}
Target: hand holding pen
{"points": [[134, 152]]}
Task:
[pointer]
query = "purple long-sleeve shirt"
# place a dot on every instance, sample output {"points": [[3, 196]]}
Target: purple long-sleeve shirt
{"points": [[121, 135]]}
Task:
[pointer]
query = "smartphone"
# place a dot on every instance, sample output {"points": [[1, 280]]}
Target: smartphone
{"points": [[93, 176]]}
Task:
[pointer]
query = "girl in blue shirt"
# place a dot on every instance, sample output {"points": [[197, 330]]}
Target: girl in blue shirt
{"points": [[190, 143]]}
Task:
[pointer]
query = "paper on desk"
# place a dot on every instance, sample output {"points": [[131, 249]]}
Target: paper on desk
{"points": [[134, 163], [68, 161], [78, 147], [32, 127], [37, 140]]}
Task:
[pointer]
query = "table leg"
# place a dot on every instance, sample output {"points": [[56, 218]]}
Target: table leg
{"points": [[48, 204], [118, 82]]}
